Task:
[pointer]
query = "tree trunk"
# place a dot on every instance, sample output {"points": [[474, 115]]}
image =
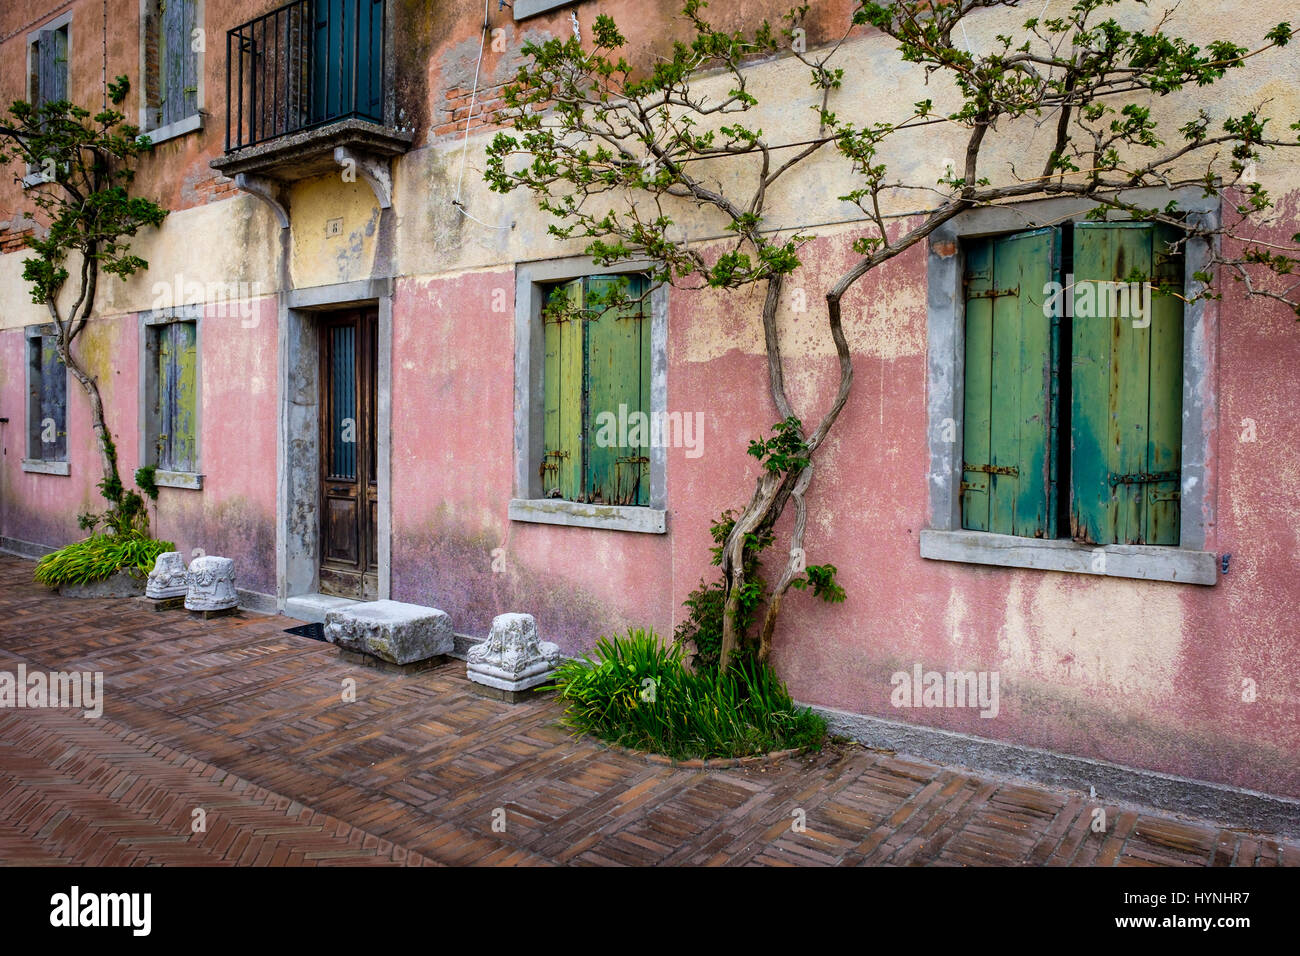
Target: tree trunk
{"points": [[107, 450]]}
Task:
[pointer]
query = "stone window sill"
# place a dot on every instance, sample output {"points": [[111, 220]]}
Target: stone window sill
{"points": [[38, 467], [530, 8], [172, 130], [178, 479], [1146, 562], [577, 514]]}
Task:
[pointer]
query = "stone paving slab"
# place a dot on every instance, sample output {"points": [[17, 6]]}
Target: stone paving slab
{"points": [[236, 718]]}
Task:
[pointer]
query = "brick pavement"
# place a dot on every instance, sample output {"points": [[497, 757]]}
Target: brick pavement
{"points": [[236, 718]]}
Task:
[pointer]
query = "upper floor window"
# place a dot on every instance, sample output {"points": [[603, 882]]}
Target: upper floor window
{"points": [[171, 49], [47, 59], [304, 64]]}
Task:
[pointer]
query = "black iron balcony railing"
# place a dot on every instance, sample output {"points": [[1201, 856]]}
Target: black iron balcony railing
{"points": [[303, 65]]}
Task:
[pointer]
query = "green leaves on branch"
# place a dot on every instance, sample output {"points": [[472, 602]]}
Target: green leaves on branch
{"points": [[82, 162], [785, 451]]}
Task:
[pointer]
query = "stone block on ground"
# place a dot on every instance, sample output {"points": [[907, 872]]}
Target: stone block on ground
{"points": [[120, 584], [392, 631]]}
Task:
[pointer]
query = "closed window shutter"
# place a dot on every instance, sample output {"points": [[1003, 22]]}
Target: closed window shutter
{"points": [[561, 466], [618, 427], [1010, 419], [177, 396], [1127, 387], [51, 66], [54, 399], [178, 62], [186, 396], [370, 102], [165, 406]]}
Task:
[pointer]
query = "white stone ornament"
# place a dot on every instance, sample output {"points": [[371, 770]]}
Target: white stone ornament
{"points": [[169, 577], [211, 584], [512, 658], [392, 631]]}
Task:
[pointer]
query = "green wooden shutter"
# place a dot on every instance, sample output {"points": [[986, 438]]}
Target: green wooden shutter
{"points": [[561, 466], [1127, 381], [1009, 462], [186, 432], [54, 399], [177, 396], [617, 394], [163, 405]]}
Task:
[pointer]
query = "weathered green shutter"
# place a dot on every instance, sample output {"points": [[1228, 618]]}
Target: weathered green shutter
{"points": [[561, 466], [618, 423], [1008, 476], [1127, 380], [54, 398], [177, 396]]}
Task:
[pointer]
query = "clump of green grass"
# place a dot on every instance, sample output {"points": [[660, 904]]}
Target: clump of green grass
{"points": [[101, 556], [637, 692]]}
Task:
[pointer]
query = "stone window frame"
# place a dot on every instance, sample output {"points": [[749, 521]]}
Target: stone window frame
{"points": [[148, 386], [945, 539], [40, 466], [191, 123], [530, 359]]}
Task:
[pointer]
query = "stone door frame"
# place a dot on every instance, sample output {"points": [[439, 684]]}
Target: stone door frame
{"points": [[297, 528]]}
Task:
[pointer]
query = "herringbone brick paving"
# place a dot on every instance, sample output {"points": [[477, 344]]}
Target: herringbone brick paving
{"points": [[235, 718]]}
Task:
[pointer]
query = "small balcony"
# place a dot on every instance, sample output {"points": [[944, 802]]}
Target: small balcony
{"points": [[304, 81]]}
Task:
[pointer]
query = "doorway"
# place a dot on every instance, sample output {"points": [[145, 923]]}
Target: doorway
{"points": [[349, 489]]}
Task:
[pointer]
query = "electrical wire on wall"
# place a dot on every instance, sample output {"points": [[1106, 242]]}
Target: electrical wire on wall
{"points": [[469, 119]]}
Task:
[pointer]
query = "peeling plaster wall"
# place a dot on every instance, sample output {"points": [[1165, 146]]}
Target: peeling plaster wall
{"points": [[1139, 673], [233, 515]]}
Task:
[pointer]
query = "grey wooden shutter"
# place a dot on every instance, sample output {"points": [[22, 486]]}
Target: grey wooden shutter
{"points": [[175, 46], [48, 86], [54, 401]]}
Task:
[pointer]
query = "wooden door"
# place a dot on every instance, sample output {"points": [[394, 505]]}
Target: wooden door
{"points": [[349, 564]]}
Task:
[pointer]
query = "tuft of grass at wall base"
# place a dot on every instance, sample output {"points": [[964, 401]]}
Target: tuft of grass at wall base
{"points": [[100, 556], [637, 692]]}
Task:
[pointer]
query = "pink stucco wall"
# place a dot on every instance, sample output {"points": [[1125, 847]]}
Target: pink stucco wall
{"points": [[1146, 674], [233, 515]]}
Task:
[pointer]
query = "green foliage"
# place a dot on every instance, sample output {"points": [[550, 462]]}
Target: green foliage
{"points": [[85, 174], [99, 557], [637, 692], [83, 162], [785, 451], [584, 126], [705, 606], [144, 480], [821, 580]]}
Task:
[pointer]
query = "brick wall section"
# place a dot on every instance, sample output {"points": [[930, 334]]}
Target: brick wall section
{"points": [[215, 189], [14, 240], [487, 108]]}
